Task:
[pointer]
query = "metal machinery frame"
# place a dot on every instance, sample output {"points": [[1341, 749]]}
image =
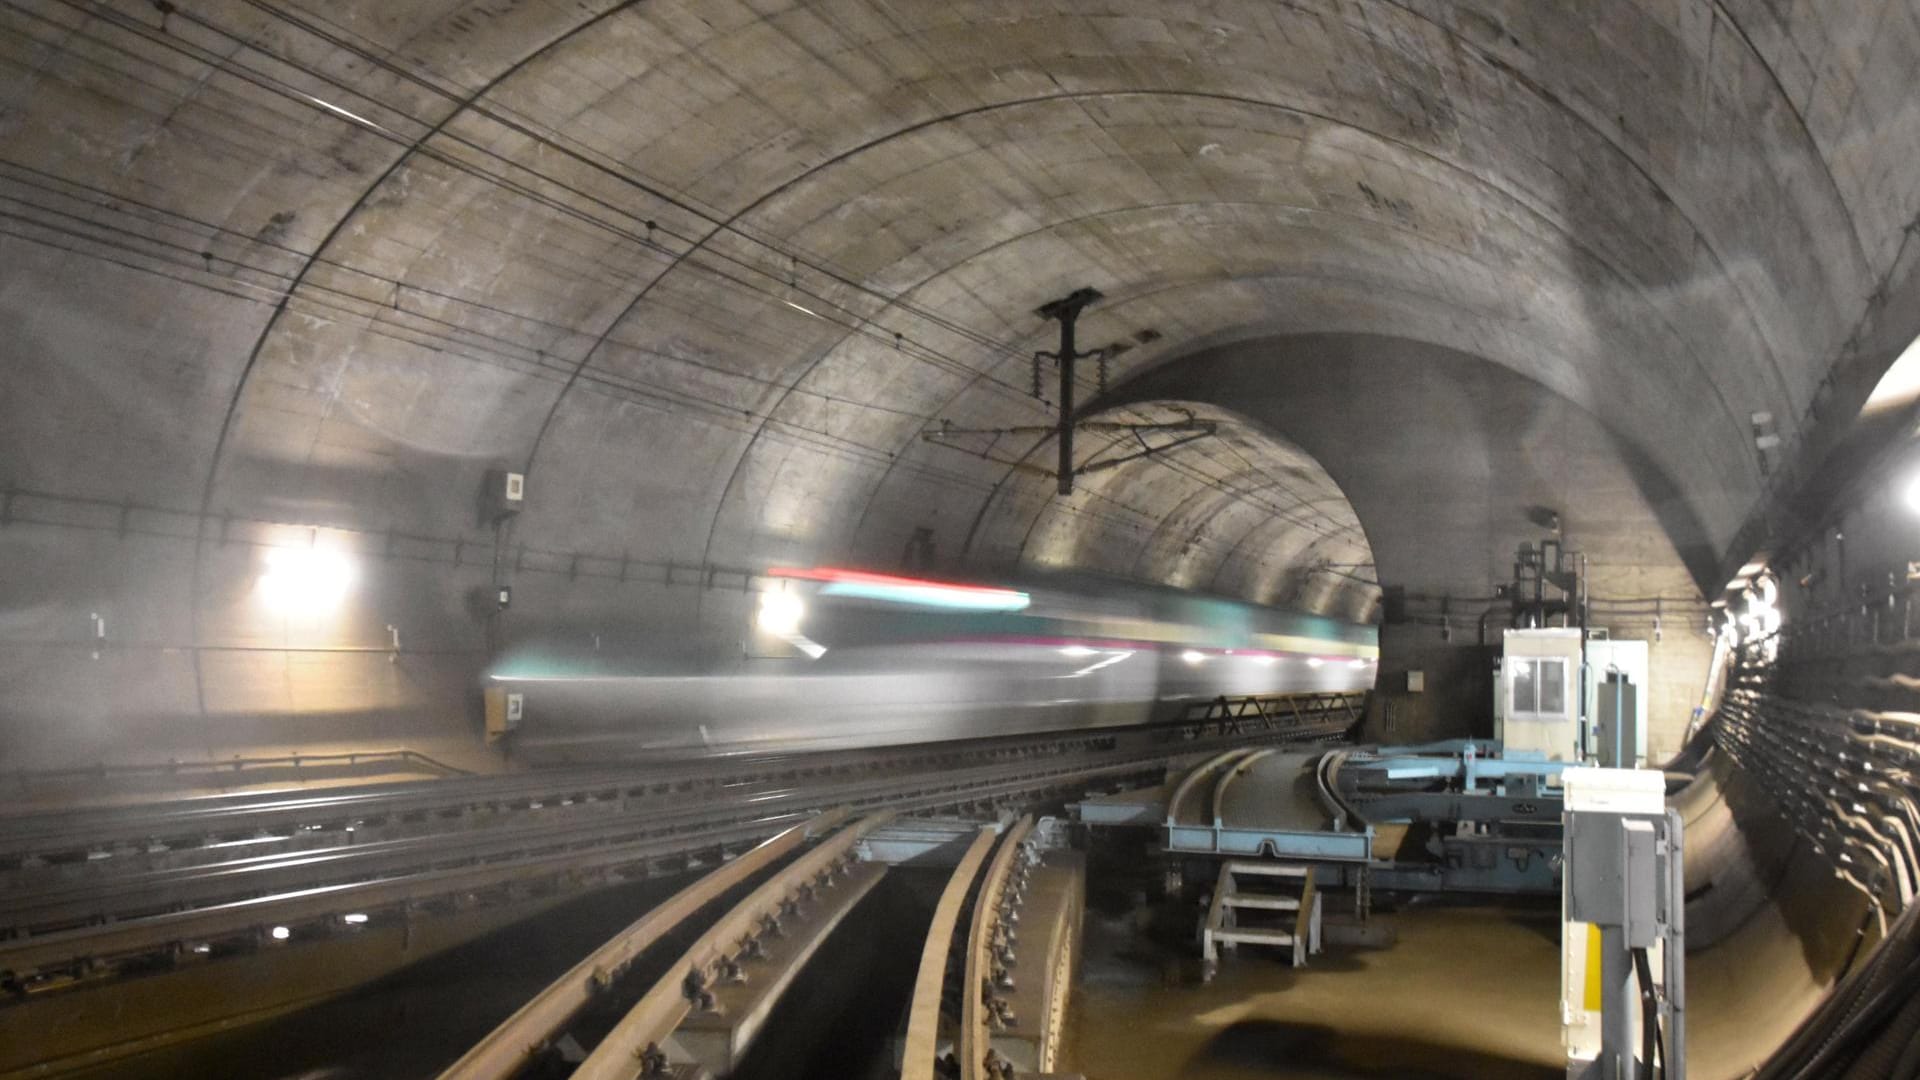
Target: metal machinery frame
{"points": [[1212, 835], [1505, 809]]}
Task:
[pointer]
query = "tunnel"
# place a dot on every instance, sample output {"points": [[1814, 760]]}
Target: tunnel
{"points": [[475, 474]]}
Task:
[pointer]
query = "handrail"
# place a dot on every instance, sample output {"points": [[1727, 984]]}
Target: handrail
{"points": [[633, 1046], [974, 1045], [929, 986], [508, 1048], [1303, 921]]}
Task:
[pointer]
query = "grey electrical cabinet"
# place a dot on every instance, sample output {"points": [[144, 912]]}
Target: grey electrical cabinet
{"points": [[1617, 722]]}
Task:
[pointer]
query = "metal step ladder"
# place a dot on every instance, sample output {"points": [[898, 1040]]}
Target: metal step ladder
{"points": [[1280, 905]]}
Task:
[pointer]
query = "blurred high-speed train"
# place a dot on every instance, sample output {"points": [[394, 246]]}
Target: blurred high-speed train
{"points": [[839, 658]]}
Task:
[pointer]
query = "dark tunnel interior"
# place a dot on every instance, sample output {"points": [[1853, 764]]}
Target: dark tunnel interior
{"points": [[903, 538]]}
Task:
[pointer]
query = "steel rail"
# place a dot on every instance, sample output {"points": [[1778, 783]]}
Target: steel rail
{"points": [[511, 1046], [1227, 776], [222, 921], [1192, 779], [148, 892], [98, 828], [632, 1047], [189, 822], [975, 1041], [929, 986], [28, 956], [1326, 784], [983, 785]]}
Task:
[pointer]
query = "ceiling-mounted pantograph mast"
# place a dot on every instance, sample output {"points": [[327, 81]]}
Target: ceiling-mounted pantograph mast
{"points": [[1066, 311]]}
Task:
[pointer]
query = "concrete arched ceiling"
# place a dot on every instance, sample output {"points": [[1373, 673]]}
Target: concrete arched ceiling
{"points": [[1270, 525], [1452, 462], [707, 269]]}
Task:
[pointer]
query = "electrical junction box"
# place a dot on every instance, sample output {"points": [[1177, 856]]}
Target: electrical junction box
{"points": [[506, 492], [1618, 791], [504, 710], [1631, 660], [1616, 726], [1622, 870]]}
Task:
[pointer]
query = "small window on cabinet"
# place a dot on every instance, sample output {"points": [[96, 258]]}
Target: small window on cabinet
{"points": [[1538, 687]]}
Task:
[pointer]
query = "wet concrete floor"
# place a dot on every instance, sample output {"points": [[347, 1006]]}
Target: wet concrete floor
{"points": [[1467, 993]]}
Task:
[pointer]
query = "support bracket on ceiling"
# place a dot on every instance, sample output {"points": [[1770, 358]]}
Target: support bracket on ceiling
{"points": [[1185, 431], [1066, 311]]}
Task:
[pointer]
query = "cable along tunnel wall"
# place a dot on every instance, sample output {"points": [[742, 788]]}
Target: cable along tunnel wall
{"points": [[1803, 832]]}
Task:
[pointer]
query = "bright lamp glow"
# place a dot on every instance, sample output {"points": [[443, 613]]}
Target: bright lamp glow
{"points": [[1194, 656], [1263, 661], [780, 613], [1077, 652], [1762, 618], [1912, 493], [1314, 661], [1356, 664], [281, 933], [304, 581], [356, 918]]}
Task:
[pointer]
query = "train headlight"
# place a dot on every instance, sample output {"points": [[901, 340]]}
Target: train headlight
{"points": [[780, 613]]}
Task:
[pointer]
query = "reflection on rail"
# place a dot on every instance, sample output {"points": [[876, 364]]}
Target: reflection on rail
{"points": [[634, 1047], [990, 958], [540, 1022], [924, 1017]]}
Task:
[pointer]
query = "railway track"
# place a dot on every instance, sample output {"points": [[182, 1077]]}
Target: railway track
{"points": [[98, 890], [90, 836]]}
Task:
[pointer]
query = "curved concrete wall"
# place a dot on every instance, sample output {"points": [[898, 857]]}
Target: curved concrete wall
{"points": [[1769, 927], [706, 270]]}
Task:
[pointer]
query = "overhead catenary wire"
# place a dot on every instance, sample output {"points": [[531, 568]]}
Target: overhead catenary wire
{"points": [[341, 303], [859, 324]]}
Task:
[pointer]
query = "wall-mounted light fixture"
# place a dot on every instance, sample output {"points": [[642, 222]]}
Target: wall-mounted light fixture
{"points": [[780, 613], [1910, 494], [304, 581]]}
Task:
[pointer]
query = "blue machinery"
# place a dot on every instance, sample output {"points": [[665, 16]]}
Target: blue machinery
{"points": [[1498, 824], [1494, 819]]}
